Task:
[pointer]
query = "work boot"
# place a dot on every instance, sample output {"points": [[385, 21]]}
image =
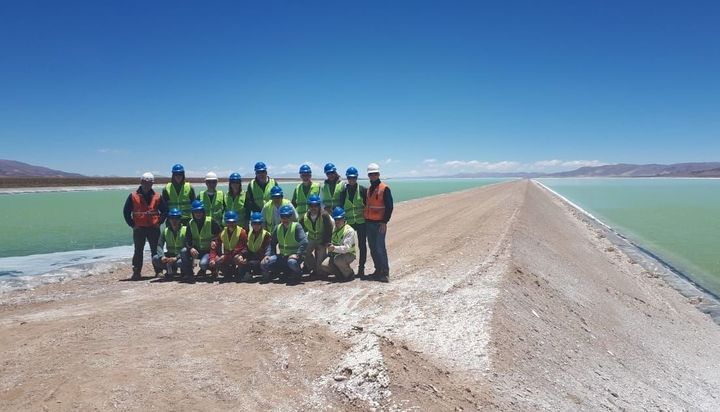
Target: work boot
{"points": [[383, 276], [247, 278], [361, 271], [136, 274]]}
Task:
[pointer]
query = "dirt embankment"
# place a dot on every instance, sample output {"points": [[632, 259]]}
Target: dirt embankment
{"points": [[499, 298]]}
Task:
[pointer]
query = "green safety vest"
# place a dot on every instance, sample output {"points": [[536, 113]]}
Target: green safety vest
{"points": [[216, 208], [268, 210], [179, 200], [201, 238], [174, 243], [354, 208], [261, 196], [301, 199], [286, 239], [332, 199], [313, 230], [255, 241], [338, 236], [229, 243]]}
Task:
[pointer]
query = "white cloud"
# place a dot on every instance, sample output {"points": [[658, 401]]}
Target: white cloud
{"points": [[429, 161], [389, 160], [433, 167], [113, 151]]}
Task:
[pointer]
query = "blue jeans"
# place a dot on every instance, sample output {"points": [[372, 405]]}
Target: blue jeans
{"points": [[170, 267], [278, 263], [189, 261], [376, 241]]}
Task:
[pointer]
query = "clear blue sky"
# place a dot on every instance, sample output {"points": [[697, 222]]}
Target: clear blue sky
{"points": [[120, 87]]}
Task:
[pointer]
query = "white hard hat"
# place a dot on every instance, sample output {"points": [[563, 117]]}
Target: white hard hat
{"points": [[147, 177], [373, 168], [211, 176]]}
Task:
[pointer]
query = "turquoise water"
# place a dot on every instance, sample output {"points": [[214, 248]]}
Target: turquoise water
{"points": [[41, 223], [677, 219]]}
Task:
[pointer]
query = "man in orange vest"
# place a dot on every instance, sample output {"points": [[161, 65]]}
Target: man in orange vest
{"points": [[144, 212], [378, 209]]}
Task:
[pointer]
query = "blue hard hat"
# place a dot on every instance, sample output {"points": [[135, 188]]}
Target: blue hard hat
{"points": [[235, 177], [178, 168], [276, 191], [260, 167], [174, 212], [313, 199], [351, 172], [197, 206], [305, 169], [256, 217], [330, 168], [231, 216], [338, 213], [286, 210]]}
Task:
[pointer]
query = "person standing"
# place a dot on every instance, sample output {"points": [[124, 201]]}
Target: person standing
{"points": [[172, 239], [304, 190], [258, 190], [235, 199], [343, 249], [271, 210], [332, 188], [144, 212], [318, 226], [289, 237], [353, 198], [213, 199], [378, 210], [178, 193]]}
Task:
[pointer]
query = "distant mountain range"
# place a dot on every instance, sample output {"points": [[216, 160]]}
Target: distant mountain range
{"points": [[708, 169], [13, 168]]}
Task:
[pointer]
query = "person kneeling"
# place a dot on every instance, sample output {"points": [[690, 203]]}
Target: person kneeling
{"points": [[203, 231], [227, 256], [290, 238], [342, 249], [172, 239], [258, 248]]}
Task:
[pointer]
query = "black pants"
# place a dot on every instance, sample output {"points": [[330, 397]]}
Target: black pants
{"points": [[140, 235], [362, 242]]}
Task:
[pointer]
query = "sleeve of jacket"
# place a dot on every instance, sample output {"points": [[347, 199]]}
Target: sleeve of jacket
{"points": [[388, 205], [192, 194], [347, 243], [363, 194], [214, 246], [273, 243], [163, 209], [241, 247], [267, 243], [188, 238], [294, 196], [301, 237], [127, 211], [342, 197], [161, 244], [165, 195], [328, 225]]}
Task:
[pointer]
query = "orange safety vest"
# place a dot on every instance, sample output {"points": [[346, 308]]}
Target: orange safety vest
{"points": [[145, 215], [375, 207]]}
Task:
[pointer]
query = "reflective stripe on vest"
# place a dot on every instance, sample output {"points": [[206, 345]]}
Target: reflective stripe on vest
{"points": [[215, 207], [338, 236], [301, 199], [201, 238], [375, 208], [145, 215], [313, 230], [332, 199], [354, 208], [286, 239], [269, 213], [261, 196], [179, 200], [174, 241], [229, 243], [256, 241]]}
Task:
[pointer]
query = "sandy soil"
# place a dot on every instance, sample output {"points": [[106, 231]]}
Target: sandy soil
{"points": [[500, 298]]}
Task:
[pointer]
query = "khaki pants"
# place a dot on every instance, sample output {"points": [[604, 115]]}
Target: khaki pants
{"points": [[315, 254], [339, 265]]}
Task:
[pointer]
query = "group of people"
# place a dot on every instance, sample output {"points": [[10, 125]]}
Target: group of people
{"points": [[320, 231]]}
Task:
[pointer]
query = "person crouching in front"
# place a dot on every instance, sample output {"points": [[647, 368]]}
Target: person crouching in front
{"points": [[170, 247], [258, 248], [227, 255], [202, 232], [289, 237], [342, 250]]}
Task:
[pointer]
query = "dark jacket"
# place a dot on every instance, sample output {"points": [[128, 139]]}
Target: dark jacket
{"points": [[128, 208], [349, 191], [250, 196], [388, 200], [215, 230], [300, 236], [166, 195]]}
